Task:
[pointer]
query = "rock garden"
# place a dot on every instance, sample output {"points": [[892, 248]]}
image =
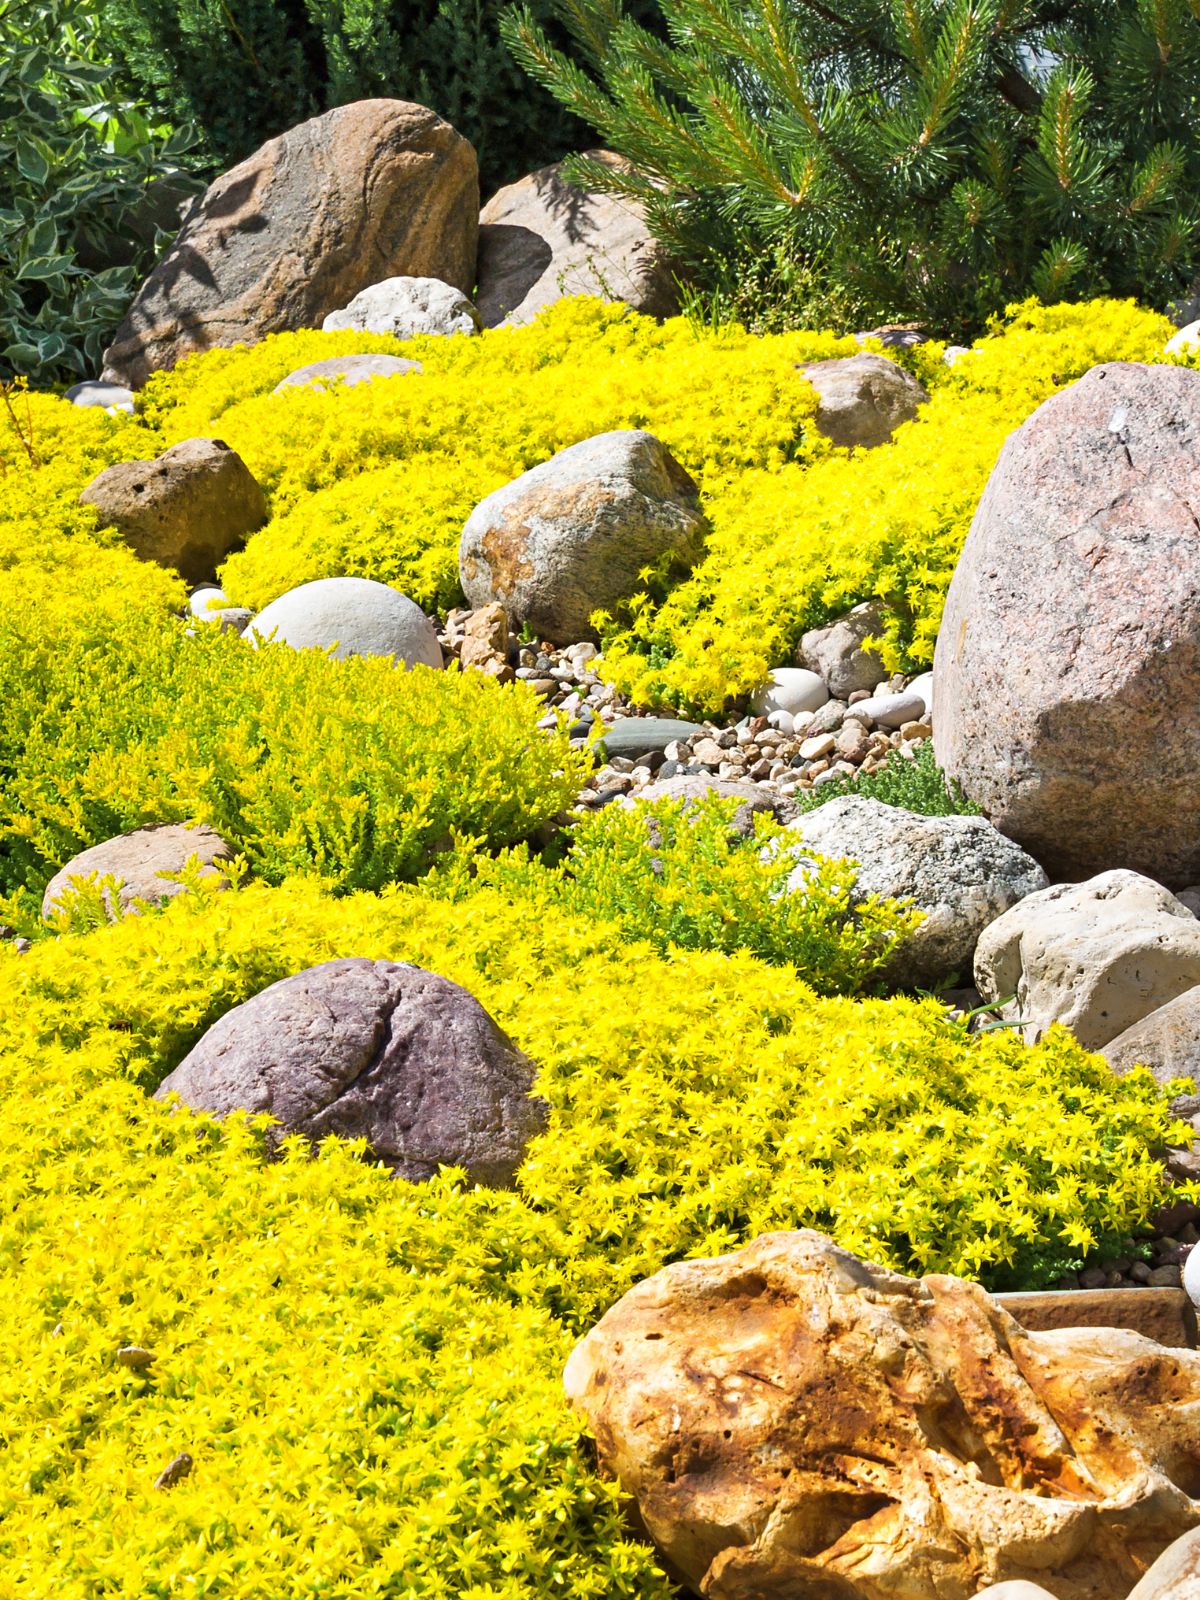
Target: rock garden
{"points": [[600, 951]]}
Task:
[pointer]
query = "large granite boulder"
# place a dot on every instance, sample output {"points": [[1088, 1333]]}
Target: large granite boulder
{"points": [[863, 399], [1097, 956], [405, 307], [374, 1050], [186, 509], [350, 617], [137, 861], [573, 535], [958, 871], [791, 1421], [371, 190], [1067, 672], [541, 239]]}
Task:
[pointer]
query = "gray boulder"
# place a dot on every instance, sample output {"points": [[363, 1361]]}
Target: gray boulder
{"points": [[138, 860], [541, 239], [186, 509], [346, 370], [405, 307], [837, 655], [356, 616], [572, 536], [1067, 670], [364, 192], [374, 1050], [958, 871], [91, 392], [1167, 1041], [863, 399]]}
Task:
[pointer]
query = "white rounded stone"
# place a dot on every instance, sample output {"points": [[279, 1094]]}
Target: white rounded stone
{"points": [[1183, 342], [1191, 1275], [922, 687], [405, 307], [791, 689], [355, 616], [91, 392], [890, 710], [208, 602]]}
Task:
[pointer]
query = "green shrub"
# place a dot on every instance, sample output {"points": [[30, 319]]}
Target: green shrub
{"points": [[83, 168], [914, 782]]}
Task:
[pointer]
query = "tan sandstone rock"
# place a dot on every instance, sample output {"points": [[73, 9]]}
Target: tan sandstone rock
{"points": [[793, 1422], [138, 860], [485, 642], [862, 399], [1176, 1573], [376, 189]]}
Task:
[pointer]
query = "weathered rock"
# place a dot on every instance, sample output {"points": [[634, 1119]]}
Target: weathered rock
{"points": [[374, 1050], [405, 307], [541, 239], [958, 871], [187, 509], [1167, 1041], [793, 1422], [572, 536], [365, 192], [357, 615], [692, 786], [791, 689], [1096, 956], [835, 652], [1176, 1573], [138, 860], [485, 641], [632, 737], [1016, 1589], [112, 396], [863, 399], [347, 370], [1191, 1276], [1067, 671], [1185, 341]]}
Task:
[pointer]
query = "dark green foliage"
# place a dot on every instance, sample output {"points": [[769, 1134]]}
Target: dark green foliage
{"points": [[243, 74], [916, 784], [86, 180], [929, 158]]}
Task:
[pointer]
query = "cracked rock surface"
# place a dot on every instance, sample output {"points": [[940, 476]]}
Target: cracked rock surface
{"points": [[375, 1050], [1067, 674]]}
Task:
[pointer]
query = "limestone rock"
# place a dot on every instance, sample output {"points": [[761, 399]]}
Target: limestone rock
{"points": [[863, 399], [375, 1050], [485, 641], [836, 653], [1167, 1041], [1067, 671], [791, 1422], [541, 239], [405, 307], [1097, 956], [958, 871], [356, 615], [346, 370], [1176, 1573], [186, 509], [365, 192], [138, 860], [572, 536]]}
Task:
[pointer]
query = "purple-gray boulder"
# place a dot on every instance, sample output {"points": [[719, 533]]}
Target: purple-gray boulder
{"points": [[374, 1050]]}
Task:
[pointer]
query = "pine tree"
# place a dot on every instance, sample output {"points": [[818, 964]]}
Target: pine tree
{"points": [[930, 158]]}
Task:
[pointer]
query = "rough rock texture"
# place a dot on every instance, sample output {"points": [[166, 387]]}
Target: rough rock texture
{"points": [[485, 641], [187, 509], [958, 870], [357, 615], [835, 652], [1176, 1573], [572, 536], [1067, 672], [793, 1422], [863, 399], [541, 239], [364, 192], [1167, 1041], [348, 370], [375, 1050], [138, 859], [405, 307], [1097, 956]]}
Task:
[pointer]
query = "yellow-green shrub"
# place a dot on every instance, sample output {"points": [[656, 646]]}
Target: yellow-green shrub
{"points": [[366, 1372]]}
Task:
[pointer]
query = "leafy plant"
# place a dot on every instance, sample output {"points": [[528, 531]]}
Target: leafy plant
{"points": [[929, 160], [84, 172], [914, 782]]}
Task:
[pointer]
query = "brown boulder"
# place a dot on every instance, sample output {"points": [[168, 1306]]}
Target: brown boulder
{"points": [[862, 400], [540, 239], [138, 861], [376, 189], [186, 509], [1067, 672], [1167, 1042], [794, 1422], [374, 1050]]}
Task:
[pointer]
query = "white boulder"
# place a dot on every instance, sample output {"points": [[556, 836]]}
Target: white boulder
{"points": [[405, 307], [353, 617], [792, 690]]}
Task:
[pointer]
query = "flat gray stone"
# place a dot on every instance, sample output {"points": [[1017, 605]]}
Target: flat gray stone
{"points": [[632, 737], [347, 370]]}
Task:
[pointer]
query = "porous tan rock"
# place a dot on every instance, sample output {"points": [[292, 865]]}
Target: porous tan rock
{"points": [[376, 189], [138, 861], [485, 641], [1067, 670], [540, 239], [1096, 956], [1167, 1041], [1176, 1573], [793, 1422], [186, 509], [862, 399]]}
